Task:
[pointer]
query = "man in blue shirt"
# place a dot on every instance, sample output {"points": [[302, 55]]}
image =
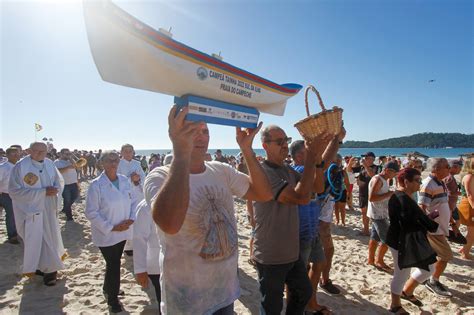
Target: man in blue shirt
{"points": [[311, 248]]}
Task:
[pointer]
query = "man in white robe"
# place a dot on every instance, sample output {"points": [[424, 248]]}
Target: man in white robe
{"points": [[133, 170], [35, 187]]}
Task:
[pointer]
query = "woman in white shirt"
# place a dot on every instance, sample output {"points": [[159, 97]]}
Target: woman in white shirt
{"points": [[110, 209]]}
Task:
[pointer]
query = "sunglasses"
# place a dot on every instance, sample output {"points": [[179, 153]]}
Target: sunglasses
{"points": [[418, 180], [281, 141], [112, 160]]}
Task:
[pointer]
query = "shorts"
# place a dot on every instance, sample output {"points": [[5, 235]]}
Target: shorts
{"points": [[379, 230], [312, 252], [363, 201], [466, 212], [325, 235], [455, 214], [343, 198], [440, 245]]}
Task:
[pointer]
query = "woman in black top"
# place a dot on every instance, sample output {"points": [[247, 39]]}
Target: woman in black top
{"points": [[407, 240]]}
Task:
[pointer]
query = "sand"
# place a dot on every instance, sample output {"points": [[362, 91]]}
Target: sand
{"points": [[365, 290]]}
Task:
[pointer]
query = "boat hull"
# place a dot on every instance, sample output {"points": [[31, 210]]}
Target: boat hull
{"points": [[130, 53]]}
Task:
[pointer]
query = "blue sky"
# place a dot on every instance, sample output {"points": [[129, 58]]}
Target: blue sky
{"points": [[373, 58]]}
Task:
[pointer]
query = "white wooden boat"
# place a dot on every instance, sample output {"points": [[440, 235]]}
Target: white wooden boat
{"points": [[128, 52]]}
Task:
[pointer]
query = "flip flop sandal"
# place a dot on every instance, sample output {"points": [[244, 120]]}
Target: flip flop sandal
{"points": [[398, 310], [322, 311], [412, 299], [50, 283], [385, 269]]}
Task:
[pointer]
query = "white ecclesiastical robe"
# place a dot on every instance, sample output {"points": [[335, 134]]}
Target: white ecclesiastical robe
{"points": [[127, 168], [36, 215]]}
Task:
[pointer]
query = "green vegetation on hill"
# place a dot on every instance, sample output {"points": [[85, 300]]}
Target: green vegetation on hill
{"points": [[420, 140]]}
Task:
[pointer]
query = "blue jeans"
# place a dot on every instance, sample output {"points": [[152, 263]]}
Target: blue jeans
{"points": [[6, 203], [272, 279], [70, 194]]}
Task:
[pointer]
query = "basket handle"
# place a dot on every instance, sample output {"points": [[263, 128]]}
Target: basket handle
{"points": [[312, 88]]}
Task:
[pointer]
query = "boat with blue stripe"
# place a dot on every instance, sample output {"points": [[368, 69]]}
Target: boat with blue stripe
{"points": [[131, 53]]}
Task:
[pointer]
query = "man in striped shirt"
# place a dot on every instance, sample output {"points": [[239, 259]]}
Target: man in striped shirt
{"points": [[434, 201]]}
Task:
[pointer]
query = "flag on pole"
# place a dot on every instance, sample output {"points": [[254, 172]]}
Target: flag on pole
{"points": [[38, 127]]}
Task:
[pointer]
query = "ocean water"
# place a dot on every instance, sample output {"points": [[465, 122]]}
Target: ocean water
{"points": [[447, 153]]}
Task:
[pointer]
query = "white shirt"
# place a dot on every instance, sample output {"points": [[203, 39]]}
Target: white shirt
{"points": [[378, 210], [107, 206], [70, 175], [327, 209], [127, 168], [199, 269], [146, 245], [5, 171]]}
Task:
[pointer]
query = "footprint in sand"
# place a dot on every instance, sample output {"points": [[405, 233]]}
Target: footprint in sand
{"points": [[366, 291]]}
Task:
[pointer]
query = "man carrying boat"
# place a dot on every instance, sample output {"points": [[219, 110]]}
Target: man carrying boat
{"points": [[192, 204], [276, 245]]}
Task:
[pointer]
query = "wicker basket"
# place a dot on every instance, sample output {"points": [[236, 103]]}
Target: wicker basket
{"points": [[329, 120]]}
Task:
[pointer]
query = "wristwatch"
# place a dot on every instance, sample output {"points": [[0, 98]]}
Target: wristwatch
{"points": [[320, 165]]}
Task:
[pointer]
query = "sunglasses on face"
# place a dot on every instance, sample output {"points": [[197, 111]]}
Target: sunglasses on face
{"points": [[281, 141], [112, 160], [417, 180]]}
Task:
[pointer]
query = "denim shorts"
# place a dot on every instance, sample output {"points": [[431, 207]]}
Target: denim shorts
{"points": [[312, 252], [379, 230]]}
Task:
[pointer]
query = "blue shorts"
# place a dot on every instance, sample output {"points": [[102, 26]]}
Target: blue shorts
{"points": [[312, 251], [379, 230]]}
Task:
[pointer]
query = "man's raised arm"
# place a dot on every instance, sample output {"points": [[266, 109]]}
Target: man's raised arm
{"points": [[259, 189], [172, 200]]}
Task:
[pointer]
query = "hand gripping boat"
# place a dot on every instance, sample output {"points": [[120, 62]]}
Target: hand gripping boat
{"points": [[128, 52]]}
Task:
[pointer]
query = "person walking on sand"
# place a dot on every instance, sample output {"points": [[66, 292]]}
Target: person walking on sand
{"points": [[276, 245], [192, 204], [379, 194], [434, 199], [35, 187]]}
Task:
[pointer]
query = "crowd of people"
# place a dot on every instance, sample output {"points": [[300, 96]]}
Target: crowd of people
{"points": [[175, 215]]}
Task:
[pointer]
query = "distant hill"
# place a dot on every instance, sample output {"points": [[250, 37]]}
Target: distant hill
{"points": [[420, 140]]}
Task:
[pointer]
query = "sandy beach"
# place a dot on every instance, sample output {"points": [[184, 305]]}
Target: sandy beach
{"points": [[365, 290]]}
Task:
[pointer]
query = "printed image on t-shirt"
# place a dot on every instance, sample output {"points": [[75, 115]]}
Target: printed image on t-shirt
{"points": [[220, 234]]}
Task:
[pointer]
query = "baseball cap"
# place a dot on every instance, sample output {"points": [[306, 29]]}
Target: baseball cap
{"points": [[392, 165], [371, 154]]}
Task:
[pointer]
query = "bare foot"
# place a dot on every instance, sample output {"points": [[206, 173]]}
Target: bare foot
{"points": [[465, 256]]}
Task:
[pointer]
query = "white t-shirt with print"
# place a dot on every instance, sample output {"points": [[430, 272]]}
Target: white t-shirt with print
{"points": [[199, 266]]}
